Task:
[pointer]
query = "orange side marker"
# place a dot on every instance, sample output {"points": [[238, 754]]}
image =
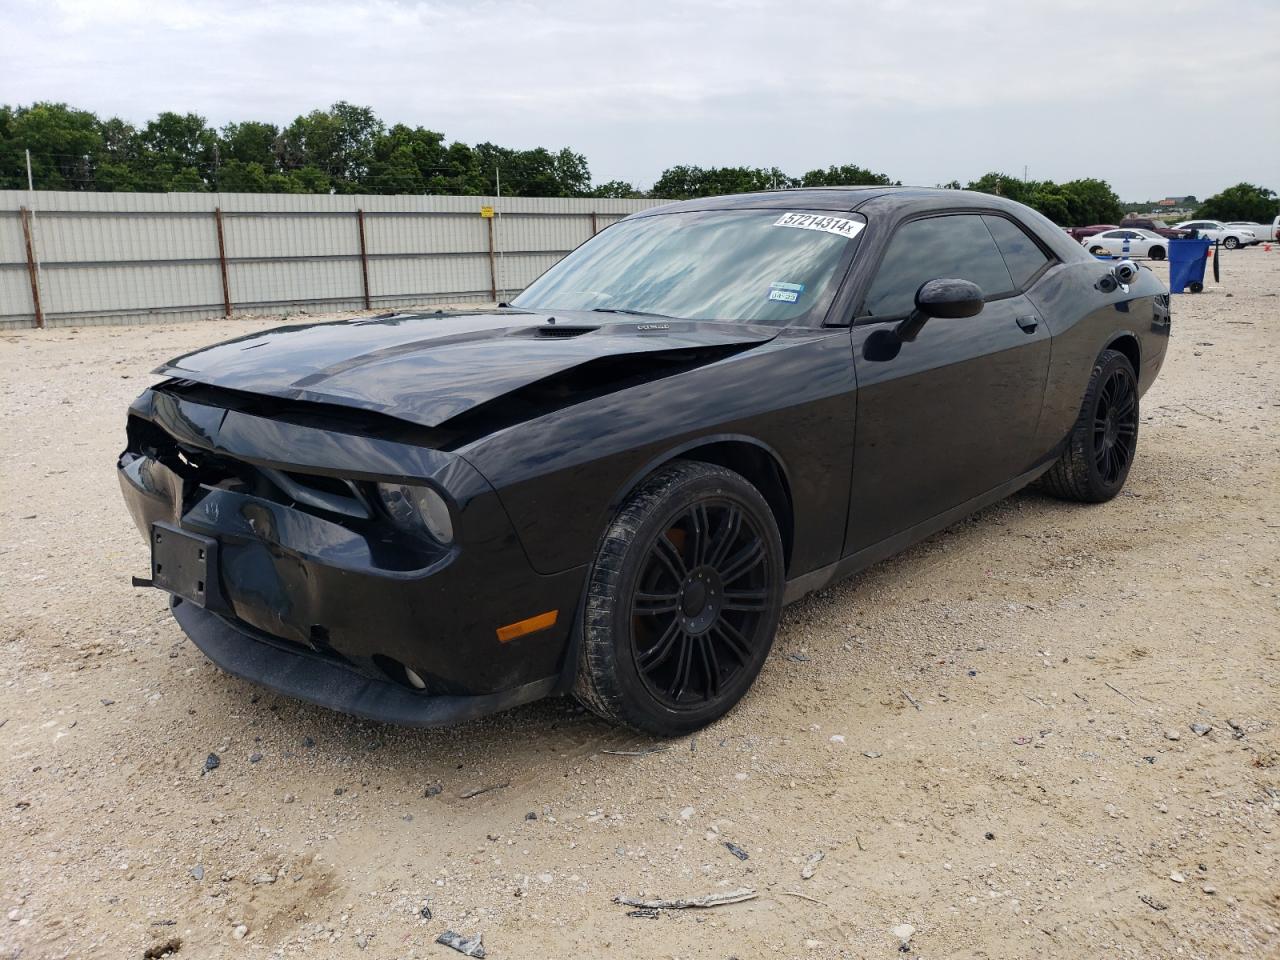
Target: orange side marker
{"points": [[531, 625]]}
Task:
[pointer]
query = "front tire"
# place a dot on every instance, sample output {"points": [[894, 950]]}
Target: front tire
{"points": [[1231, 243], [1156, 253], [1104, 440], [683, 601], [1097, 251]]}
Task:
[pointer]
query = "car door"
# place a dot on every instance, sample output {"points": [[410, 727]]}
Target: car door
{"points": [[952, 414]]}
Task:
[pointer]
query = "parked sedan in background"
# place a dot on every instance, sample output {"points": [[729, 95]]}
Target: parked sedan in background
{"points": [[1128, 243], [1263, 231], [1229, 237]]}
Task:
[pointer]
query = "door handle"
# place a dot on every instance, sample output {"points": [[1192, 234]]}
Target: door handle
{"points": [[1028, 324]]}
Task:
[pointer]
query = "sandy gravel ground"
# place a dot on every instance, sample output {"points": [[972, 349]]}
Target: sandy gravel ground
{"points": [[989, 738]]}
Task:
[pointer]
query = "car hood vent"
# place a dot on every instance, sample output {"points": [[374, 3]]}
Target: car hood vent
{"points": [[561, 331]]}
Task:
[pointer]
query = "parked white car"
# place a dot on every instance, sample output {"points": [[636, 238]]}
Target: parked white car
{"points": [[1229, 237], [1128, 243], [1263, 231]]}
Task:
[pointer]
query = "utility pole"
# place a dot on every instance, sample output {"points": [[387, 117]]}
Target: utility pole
{"points": [[31, 196], [33, 259], [497, 212]]}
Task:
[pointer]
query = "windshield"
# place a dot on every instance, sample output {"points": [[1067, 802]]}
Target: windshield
{"points": [[759, 266]]}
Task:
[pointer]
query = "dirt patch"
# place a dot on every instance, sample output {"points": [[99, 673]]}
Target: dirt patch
{"points": [[989, 738]]}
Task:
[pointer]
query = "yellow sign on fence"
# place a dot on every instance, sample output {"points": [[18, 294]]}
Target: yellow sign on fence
{"points": [[486, 212]]}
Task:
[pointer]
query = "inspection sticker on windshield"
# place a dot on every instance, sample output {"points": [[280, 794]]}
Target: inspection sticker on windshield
{"points": [[840, 226], [785, 292]]}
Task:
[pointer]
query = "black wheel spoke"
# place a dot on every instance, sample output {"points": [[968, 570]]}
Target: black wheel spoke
{"points": [[685, 660], [732, 639], [746, 600], [701, 534], [666, 554], [710, 666], [743, 562], [652, 604], [727, 535], [650, 658]]}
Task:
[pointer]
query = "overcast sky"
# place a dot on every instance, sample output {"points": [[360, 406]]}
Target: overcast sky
{"points": [[1161, 97]]}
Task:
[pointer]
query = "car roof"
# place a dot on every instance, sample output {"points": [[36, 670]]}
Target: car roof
{"points": [[844, 199]]}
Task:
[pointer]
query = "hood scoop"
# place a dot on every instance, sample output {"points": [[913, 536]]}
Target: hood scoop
{"points": [[557, 331]]}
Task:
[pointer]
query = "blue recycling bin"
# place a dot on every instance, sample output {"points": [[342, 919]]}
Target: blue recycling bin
{"points": [[1187, 259]]}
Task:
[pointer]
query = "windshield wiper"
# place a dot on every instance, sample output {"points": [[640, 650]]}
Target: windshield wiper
{"points": [[632, 313]]}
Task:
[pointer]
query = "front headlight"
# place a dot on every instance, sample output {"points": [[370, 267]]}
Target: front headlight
{"points": [[418, 509]]}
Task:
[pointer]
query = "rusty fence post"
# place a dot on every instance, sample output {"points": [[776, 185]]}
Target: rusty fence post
{"points": [[493, 267], [32, 273], [595, 227], [364, 260], [222, 263]]}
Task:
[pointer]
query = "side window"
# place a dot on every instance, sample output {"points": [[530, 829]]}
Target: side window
{"points": [[1023, 258], [954, 247]]}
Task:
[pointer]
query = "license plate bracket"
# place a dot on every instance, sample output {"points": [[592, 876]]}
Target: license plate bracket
{"points": [[185, 564]]}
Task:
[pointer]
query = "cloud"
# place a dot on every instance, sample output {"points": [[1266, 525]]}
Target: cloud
{"points": [[639, 86]]}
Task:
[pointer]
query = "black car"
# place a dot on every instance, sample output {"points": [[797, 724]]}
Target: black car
{"points": [[612, 486]]}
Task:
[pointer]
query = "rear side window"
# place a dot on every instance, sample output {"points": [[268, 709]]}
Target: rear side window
{"points": [[1021, 255], [951, 247]]}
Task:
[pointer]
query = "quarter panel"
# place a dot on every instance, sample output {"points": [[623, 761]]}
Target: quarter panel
{"points": [[1083, 320]]}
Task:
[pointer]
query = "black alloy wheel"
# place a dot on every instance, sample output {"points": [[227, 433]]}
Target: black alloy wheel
{"points": [[1103, 442], [1115, 426], [683, 601], [702, 599]]}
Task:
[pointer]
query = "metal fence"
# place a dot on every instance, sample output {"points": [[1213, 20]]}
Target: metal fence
{"points": [[74, 259]]}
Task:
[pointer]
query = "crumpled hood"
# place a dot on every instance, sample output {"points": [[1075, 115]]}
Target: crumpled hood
{"points": [[428, 368]]}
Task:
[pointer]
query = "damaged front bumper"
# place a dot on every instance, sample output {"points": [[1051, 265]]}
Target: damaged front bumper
{"points": [[284, 570]]}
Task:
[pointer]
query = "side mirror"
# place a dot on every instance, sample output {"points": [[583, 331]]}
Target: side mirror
{"points": [[943, 300]]}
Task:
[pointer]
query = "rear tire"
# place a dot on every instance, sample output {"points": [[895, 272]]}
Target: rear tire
{"points": [[1156, 253], [1104, 440], [683, 601], [1097, 250]]}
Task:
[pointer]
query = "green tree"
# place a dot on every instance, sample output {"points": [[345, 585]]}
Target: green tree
{"points": [[237, 176], [64, 143], [339, 141], [1091, 201], [249, 142], [1003, 185], [1244, 201], [847, 175], [615, 189], [177, 152]]}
